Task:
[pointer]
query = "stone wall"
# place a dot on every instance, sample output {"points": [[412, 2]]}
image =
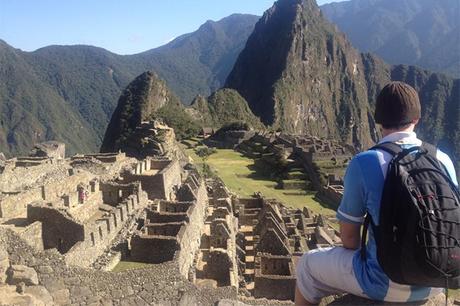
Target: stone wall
{"points": [[59, 230], [15, 204], [160, 185], [331, 195], [113, 192], [156, 285], [157, 217], [32, 234], [164, 229], [51, 149], [220, 267], [191, 236], [274, 277], [104, 157], [153, 249], [100, 233]]}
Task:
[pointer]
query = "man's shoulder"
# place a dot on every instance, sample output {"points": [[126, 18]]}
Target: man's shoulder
{"points": [[448, 164], [443, 157], [366, 156]]}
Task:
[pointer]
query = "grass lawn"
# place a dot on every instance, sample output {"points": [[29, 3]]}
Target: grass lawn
{"points": [[455, 294], [129, 265], [237, 173]]}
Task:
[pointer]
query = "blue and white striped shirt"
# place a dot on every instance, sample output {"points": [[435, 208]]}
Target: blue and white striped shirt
{"points": [[364, 182]]}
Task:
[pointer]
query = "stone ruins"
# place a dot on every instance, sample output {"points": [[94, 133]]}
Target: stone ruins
{"points": [[71, 227], [309, 162]]}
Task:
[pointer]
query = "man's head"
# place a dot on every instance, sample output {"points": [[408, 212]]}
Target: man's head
{"points": [[398, 107]]}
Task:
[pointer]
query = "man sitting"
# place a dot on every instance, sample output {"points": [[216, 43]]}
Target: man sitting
{"points": [[324, 272]]}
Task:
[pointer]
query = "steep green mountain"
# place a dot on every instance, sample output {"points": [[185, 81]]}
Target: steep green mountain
{"points": [[57, 85], [300, 74], [415, 32], [139, 102], [32, 111], [223, 107], [148, 97]]}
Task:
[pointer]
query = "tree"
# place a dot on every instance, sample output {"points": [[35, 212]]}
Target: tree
{"points": [[204, 153]]}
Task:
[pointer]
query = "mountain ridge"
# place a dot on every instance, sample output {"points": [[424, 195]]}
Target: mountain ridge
{"points": [[87, 81], [417, 27], [314, 75]]}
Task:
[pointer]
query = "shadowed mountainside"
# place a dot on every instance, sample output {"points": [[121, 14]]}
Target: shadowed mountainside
{"points": [[302, 76]]}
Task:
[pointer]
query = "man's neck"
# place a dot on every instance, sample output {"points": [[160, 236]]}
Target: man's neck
{"points": [[409, 129]]}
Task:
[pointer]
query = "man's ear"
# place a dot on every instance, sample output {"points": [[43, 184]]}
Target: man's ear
{"points": [[415, 121]]}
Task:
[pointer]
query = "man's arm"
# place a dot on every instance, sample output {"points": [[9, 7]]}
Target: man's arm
{"points": [[350, 235], [352, 207]]}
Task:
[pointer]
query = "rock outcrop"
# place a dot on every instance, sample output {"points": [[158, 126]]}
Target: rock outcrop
{"points": [[298, 73], [50, 149], [138, 103], [223, 107]]}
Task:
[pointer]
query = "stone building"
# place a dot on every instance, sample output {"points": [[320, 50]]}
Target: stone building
{"points": [[79, 205], [309, 162], [274, 236], [80, 226], [216, 263], [171, 230], [159, 178]]}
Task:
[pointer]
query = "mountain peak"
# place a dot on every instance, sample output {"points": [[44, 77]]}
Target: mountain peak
{"points": [[301, 75], [138, 102]]}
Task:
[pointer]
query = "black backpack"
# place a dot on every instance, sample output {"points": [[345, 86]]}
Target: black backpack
{"points": [[418, 234]]}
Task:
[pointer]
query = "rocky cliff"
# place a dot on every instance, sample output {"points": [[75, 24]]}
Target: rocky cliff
{"points": [[138, 103], [299, 74]]}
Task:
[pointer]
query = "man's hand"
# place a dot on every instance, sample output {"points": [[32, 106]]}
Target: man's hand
{"points": [[350, 235]]}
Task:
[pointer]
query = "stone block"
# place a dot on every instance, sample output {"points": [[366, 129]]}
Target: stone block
{"points": [[53, 284], [40, 293], [61, 297], [17, 274], [45, 269], [4, 264], [80, 293]]}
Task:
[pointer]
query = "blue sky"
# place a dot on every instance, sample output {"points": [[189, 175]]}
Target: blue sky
{"points": [[121, 26]]}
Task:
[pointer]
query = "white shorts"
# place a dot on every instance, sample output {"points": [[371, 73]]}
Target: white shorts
{"points": [[324, 272]]}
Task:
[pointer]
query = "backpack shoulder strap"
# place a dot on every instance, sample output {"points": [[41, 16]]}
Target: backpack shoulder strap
{"points": [[432, 150], [389, 147]]}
